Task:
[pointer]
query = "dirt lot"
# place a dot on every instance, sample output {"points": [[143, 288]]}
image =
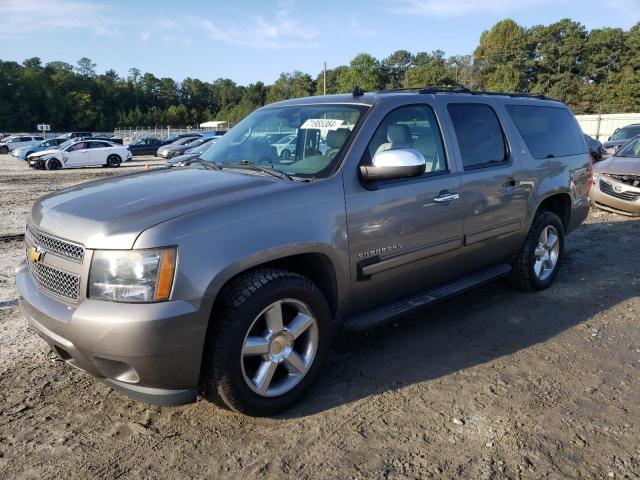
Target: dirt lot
{"points": [[494, 384]]}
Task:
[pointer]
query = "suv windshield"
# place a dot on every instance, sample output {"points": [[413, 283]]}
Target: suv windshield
{"points": [[631, 149], [625, 133], [319, 133]]}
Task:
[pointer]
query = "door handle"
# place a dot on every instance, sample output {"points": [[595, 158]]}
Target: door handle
{"points": [[446, 197], [511, 182]]}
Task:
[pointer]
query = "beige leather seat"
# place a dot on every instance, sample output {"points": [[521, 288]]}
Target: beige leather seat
{"points": [[399, 136], [426, 144], [335, 140]]}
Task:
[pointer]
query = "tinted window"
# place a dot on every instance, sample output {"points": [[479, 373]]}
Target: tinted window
{"points": [[415, 127], [98, 145], [548, 131], [479, 134], [77, 146]]}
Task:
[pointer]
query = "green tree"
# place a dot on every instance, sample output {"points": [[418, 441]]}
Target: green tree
{"points": [[86, 68], [501, 57], [364, 71], [428, 69]]}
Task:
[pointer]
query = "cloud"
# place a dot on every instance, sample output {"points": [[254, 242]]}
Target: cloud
{"points": [[356, 28], [281, 31], [443, 8], [20, 17]]}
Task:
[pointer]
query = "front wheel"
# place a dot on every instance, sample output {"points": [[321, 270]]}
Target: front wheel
{"points": [[4, 150], [269, 340], [539, 260], [52, 164]]}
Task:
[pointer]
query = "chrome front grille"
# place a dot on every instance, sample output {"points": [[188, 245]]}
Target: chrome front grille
{"points": [[56, 246], [625, 195], [54, 280]]}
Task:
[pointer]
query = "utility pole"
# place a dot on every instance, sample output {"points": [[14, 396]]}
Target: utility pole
{"points": [[325, 78]]}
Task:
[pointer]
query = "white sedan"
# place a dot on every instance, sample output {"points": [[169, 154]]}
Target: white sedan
{"points": [[81, 153]]}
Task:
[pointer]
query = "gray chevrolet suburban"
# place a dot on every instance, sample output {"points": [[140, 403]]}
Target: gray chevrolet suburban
{"points": [[230, 275]]}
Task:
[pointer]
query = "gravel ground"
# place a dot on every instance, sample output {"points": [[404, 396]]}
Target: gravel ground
{"points": [[494, 384]]}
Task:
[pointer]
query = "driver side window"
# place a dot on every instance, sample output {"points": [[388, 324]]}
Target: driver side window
{"points": [[413, 126]]}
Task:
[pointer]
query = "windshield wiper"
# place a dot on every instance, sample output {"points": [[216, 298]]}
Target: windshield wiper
{"points": [[259, 168], [199, 161]]}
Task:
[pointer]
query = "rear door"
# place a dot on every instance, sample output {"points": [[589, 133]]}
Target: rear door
{"points": [[98, 152], [495, 202], [402, 239]]}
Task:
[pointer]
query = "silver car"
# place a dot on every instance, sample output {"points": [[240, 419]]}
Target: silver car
{"points": [[177, 147]]}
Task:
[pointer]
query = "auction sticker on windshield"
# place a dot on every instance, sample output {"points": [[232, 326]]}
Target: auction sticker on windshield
{"points": [[322, 123]]}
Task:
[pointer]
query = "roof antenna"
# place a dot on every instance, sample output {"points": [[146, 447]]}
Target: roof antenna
{"points": [[357, 91]]}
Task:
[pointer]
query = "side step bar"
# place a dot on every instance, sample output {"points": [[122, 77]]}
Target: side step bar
{"points": [[382, 315]]}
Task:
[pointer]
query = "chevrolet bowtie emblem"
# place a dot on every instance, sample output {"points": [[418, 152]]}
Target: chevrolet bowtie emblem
{"points": [[35, 255]]}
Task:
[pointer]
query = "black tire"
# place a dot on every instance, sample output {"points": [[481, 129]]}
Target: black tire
{"points": [[286, 154], [4, 150], [523, 275], [114, 161], [52, 164], [222, 377]]}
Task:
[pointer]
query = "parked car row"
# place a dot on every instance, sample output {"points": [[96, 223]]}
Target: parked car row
{"points": [[12, 142]]}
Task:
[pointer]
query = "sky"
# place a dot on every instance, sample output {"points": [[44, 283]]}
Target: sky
{"points": [[252, 40]]}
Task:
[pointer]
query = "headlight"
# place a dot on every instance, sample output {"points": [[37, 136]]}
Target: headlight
{"points": [[595, 176], [132, 275]]}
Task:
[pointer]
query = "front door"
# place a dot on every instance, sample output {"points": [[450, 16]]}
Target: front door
{"points": [[404, 236], [77, 155]]}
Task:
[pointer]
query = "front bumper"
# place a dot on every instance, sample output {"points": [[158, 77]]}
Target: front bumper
{"points": [[608, 201], [151, 352]]}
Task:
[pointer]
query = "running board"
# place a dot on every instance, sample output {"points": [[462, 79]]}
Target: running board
{"points": [[400, 308]]}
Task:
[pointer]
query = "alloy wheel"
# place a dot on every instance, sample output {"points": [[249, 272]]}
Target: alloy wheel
{"points": [[279, 347], [546, 253]]}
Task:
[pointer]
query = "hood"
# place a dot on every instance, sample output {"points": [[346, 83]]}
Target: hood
{"points": [[45, 152], [619, 166], [111, 213]]}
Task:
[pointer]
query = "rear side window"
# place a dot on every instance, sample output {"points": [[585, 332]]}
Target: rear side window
{"points": [[479, 134], [549, 132]]}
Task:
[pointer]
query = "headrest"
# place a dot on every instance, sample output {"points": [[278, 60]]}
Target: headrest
{"points": [[399, 134], [336, 138]]}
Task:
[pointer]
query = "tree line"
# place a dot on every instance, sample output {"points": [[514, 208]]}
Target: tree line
{"points": [[593, 71]]}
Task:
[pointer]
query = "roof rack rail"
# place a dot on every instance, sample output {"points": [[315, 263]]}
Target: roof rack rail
{"points": [[463, 89], [445, 89], [429, 89], [539, 96]]}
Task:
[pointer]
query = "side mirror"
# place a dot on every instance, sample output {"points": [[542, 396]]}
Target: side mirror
{"points": [[392, 164]]}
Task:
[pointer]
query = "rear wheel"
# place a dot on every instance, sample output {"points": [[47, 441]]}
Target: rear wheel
{"points": [[539, 260], [270, 339], [52, 164], [114, 161], [4, 150]]}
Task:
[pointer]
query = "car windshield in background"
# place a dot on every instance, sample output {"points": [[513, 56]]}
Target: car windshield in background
{"points": [[319, 133], [631, 149], [626, 133], [202, 148], [64, 145]]}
